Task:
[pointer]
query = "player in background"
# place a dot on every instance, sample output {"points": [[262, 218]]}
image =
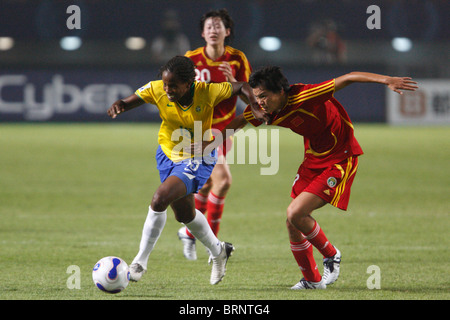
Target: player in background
{"points": [[330, 160], [181, 100], [216, 62]]}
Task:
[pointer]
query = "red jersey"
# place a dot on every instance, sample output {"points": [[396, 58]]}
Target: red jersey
{"points": [[207, 70], [313, 112]]}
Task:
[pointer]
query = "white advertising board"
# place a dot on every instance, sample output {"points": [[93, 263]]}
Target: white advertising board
{"points": [[429, 105]]}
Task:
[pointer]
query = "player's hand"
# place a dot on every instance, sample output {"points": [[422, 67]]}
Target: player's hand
{"points": [[227, 71], [259, 113], [197, 148], [397, 84], [116, 108]]}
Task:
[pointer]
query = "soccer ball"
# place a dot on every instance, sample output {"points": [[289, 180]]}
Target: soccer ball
{"points": [[111, 274]]}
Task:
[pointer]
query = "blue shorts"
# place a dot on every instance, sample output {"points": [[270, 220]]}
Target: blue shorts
{"points": [[194, 173]]}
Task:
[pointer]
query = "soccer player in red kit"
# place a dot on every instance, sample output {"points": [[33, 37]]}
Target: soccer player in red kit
{"points": [[216, 62], [330, 160]]}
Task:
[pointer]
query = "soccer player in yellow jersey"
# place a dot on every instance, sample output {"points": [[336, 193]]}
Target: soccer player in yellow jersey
{"points": [[185, 106]]}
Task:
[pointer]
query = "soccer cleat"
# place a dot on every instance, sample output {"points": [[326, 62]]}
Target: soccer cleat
{"points": [[136, 271], [189, 250], [331, 268], [219, 263], [305, 284]]}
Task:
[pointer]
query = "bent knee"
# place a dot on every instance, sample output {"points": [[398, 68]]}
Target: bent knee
{"points": [[160, 201], [296, 215], [289, 226], [206, 187], [222, 182]]}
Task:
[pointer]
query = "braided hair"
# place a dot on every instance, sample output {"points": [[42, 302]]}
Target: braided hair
{"points": [[182, 67]]}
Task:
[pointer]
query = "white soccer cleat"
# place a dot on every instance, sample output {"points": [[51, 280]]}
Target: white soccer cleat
{"points": [[189, 250], [219, 263], [136, 271], [331, 268], [305, 284]]}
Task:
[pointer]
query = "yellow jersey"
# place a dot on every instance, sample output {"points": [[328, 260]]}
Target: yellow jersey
{"points": [[182, 125]]}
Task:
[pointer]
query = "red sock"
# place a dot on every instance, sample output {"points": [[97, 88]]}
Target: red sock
{"points": [[318, 239], [200, 202], [215, 209], [303, 254], [189, 233]]}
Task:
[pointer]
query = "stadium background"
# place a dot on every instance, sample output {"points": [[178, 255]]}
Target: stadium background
{"points": [[41, 81], [75, 185]]}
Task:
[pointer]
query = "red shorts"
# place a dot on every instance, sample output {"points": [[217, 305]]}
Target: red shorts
{"points": [[332, 184]]}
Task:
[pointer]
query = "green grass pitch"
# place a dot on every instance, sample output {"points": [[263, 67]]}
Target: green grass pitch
{"points": [[71, 194]]}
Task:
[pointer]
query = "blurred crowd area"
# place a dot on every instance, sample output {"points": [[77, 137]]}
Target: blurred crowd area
{"points": [[413, 35], [68, 60]]}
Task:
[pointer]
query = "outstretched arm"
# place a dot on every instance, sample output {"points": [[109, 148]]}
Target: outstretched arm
{"points": [[394, 83], [243, 89], [125, 104]]}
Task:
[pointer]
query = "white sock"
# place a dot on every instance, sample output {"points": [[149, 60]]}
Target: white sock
{"points": [[201, 230], [153, 226]]}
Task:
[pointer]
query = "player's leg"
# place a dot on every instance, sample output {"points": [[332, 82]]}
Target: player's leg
{"points": [[210, 200], [186, 237], [332, 185], [221, 182], [201, 201], [303, 254], [299, 222], [170, 190], [201, 198], [300, 209], [299, 216], [186, 213], [196, 222]]}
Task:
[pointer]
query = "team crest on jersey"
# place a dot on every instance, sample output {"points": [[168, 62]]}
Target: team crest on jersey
{"points": [[297, 121], [198, 108], [331, 182]]}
